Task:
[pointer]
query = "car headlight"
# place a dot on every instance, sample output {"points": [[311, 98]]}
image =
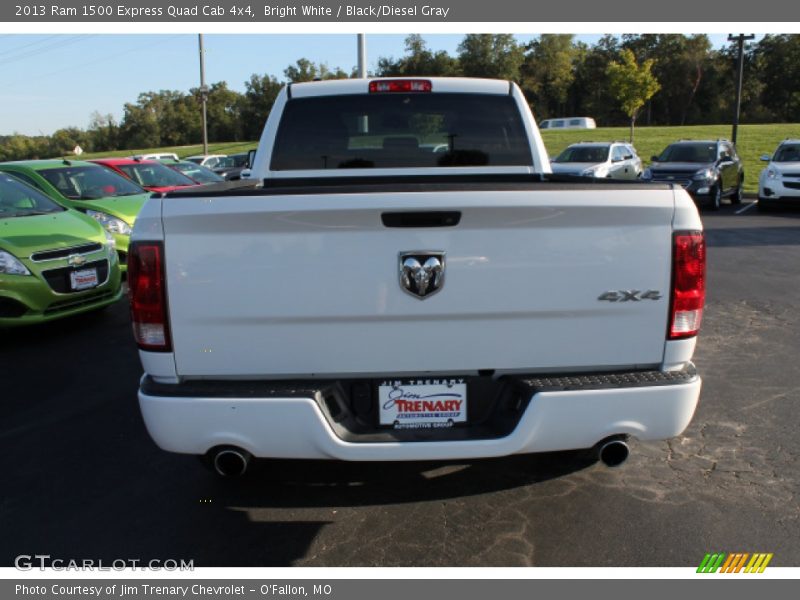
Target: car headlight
{"points": [[594, 172], [10, 265], [110, 241], [704, 175], [112, 224], [773, 174], [647, 174]]}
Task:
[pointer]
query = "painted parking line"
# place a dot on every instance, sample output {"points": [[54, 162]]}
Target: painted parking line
{"points": [[744, 208]]}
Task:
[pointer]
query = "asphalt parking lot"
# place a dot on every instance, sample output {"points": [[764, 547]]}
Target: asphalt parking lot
{"points": [[81, 478]]}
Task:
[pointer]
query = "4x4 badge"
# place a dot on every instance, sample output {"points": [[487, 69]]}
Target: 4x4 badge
{"points": [[629, 295], [422, 273]]}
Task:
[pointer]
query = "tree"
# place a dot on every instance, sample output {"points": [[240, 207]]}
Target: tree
{"points": [[632, 84], [419, 61], [103, 132], [779, 57], [548, 72], [259, 96], [680, 64], [491, 55], [306, 70], [223, 109]]}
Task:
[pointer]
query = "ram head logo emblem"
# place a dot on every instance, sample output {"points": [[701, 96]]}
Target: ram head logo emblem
{"points": [[421, 273]]}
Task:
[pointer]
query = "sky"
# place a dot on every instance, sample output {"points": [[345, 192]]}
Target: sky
{"points": [[52, 81]]}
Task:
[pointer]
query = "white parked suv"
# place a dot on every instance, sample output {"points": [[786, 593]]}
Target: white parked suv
{"points": [[209, 161], [779, 183], [614, 160]]}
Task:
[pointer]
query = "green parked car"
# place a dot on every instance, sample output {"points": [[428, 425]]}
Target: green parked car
{"points": [[111, 199], [54, 261]]}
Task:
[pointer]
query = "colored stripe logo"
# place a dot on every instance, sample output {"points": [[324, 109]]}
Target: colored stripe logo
{"points": [[738, 562]]}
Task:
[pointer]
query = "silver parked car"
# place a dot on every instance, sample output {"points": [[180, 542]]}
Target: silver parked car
{"points": [[615, 160]]}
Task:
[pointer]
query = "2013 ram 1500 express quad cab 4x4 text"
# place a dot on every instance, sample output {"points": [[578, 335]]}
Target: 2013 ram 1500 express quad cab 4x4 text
{"points": [[402, 278]]}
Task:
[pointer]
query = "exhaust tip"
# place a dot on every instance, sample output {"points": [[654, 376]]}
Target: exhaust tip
{"points": [[613, 453], [231, 462]]}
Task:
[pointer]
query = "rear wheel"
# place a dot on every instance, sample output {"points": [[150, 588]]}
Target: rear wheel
{"points": [[736, 197]]}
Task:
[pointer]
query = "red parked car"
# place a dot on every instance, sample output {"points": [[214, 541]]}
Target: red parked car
{"points": [[149, 174]]}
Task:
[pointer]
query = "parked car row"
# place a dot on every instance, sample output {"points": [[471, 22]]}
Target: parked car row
{"points": [[710, 170], [65, 229]]}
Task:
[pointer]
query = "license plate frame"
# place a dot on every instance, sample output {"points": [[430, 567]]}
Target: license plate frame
{"points": [[83, 279], [422, 403]]}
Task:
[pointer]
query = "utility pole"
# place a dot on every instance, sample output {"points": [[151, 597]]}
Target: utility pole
{"points": [[363, 121], [362, 56], [203, 92], [741, 38]]}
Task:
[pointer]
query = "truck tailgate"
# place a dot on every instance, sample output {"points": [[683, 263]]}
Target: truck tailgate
{"points": [[309, 284]]}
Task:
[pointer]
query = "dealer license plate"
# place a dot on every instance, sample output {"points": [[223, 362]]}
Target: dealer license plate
{"points": [[422, 403], [83, 279]]}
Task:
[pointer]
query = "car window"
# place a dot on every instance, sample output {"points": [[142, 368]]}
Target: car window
{"points": [[787, 153], [27, 179], [18, 199], [699, 152], [89, 183], [400, 130], [544, 125], [575, 122], [557, 124], [619, 153], [725, 151], [584, 154], [154, 175], [197, 173]]}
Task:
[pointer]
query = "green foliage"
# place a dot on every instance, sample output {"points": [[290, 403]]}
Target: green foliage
{"points": [[548, 72], [419, 61], [497, 56], [259, 96], [306, 70], [632, 84]]}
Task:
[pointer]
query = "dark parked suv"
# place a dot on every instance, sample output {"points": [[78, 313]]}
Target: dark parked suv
{"points": [[708, 170]]}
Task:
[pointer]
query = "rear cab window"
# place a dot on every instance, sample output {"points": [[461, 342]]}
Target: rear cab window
{"points": [[400, 130]]}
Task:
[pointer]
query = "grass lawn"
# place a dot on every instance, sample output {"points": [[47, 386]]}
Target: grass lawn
{"points": [[754, 140], [181, 151]]}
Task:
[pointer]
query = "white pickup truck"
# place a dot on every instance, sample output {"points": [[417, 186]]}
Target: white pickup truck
{"points": [[403, 279]]}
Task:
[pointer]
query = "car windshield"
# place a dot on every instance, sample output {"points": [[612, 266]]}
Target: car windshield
{"points": [[583, 154], [396, 130], [196, 172], [231, 162], [89, 183], [152, 174], [787, 153], [702, 152], [18, 199]]}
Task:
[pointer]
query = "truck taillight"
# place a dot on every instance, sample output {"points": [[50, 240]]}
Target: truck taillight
{"points": [[399, 85], [688, 283], [147, 294]]}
